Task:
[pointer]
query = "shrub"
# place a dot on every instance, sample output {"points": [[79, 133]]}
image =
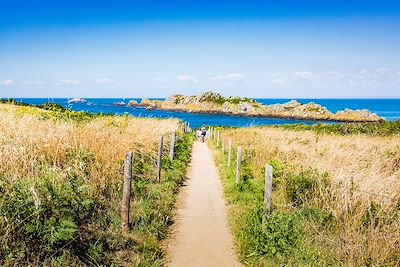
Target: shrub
{"points": [[45, 215], [326, 220], [276, 237], [299, 187]]}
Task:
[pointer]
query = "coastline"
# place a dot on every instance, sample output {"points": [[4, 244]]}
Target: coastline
{"points": [[214, 103]]}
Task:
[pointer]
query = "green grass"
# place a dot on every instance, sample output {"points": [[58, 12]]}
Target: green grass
{"points": [[58, 112], [381, 128]]}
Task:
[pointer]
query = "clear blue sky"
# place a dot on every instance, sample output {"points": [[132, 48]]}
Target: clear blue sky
{"points": [[286, 49]]}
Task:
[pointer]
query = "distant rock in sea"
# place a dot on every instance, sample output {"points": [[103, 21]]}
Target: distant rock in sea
{"points": [[76, 100], [132, 103], [214, 103]]}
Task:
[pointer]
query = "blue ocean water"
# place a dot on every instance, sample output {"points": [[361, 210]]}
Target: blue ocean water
{"points": [[387, 108]]}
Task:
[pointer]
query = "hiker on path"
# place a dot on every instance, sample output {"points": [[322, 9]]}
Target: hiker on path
{"points": [[203, 133], [198, 134]]}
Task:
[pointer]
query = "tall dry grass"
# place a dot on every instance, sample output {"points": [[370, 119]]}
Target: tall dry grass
{"points": [[27, 138], [364, 199], [373, 163]]}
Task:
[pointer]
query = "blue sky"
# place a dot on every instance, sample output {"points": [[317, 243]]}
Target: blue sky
{"points": [[281, 49]]}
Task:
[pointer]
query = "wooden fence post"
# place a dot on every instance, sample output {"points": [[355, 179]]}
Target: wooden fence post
{"points": [[126, 193], [268, 190], [238, 164], [229, 152], [160, 146], [172, 149], [218, 135]]}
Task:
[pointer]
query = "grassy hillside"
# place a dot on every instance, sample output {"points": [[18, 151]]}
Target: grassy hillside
{"points": [[335, 196], [61, 187]]}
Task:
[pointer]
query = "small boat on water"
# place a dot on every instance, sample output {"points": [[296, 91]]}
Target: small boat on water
{"points": [[76, 100]]}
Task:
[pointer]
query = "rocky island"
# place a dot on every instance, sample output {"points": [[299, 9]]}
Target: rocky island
{"points": [[214, 103]]}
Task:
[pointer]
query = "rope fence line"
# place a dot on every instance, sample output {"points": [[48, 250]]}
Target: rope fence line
{"points": [[376, 194]]}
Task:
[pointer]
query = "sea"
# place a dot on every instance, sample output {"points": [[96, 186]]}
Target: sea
{"points": [[389, 109]]}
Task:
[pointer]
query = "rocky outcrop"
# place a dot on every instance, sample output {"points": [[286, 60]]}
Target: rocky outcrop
{"points": [[145, 102], [214, 103], [132, 103], [356, 115], [150, 104]]}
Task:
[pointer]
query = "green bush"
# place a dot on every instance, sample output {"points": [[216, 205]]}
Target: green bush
{"points": [[44, 215], [299, 187], [325, 220], [277, 236]]}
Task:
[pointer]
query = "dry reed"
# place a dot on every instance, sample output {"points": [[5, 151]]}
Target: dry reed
{"points": [[26, 139], [366, 173]]}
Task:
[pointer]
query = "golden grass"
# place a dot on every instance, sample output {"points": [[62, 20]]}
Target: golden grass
{"points": [[26, 139], [372, 162], [362, 236]]}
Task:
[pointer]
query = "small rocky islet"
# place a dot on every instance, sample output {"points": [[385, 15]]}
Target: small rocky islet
{"points": [[214, 103]]}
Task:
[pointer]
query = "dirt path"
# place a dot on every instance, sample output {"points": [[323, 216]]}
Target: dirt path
{"points": [[201, 236]]}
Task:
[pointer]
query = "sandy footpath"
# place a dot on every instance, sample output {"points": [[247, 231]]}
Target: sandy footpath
{"points": [[201, 235]]}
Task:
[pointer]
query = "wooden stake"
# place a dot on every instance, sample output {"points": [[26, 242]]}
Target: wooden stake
{"points": [[218, 135], [172, 149], [268, 190], [126, 193], [160, 146], [229, 152], [238, 164]]}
